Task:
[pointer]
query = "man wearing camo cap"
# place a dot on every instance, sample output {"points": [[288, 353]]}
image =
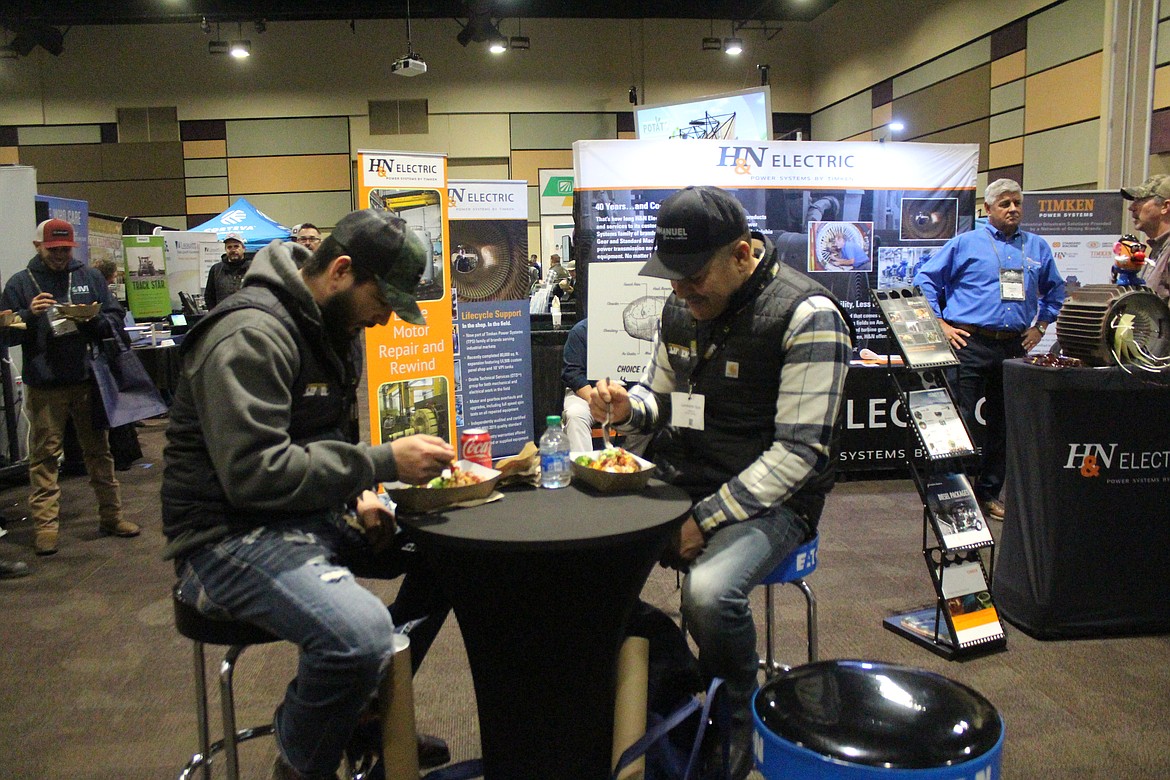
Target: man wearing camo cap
{"points": [[1150, 209]]}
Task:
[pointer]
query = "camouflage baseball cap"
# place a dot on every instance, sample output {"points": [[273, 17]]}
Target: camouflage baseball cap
{"points": [[1157, 186], [384, 245]]}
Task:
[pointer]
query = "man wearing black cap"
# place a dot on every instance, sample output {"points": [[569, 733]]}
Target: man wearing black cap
{"points": [[1150, 209], [744, 387], [265, 501], [226, 276]]}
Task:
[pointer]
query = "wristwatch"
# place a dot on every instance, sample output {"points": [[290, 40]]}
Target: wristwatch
{"points": [[1042, 327]]}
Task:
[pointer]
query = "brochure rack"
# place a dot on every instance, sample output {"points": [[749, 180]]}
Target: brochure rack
{"points": [[962, 622]]}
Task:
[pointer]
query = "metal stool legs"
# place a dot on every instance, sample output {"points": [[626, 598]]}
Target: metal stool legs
{"points": [[769, 663], [232, 736], [792, 570]]}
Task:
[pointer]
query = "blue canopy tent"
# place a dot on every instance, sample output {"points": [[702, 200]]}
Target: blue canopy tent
{"points": [[254, 226]]}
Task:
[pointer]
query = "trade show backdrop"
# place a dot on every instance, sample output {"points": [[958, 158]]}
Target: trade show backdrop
{"points": [[410, 368], [893, 202], [492, 333]]}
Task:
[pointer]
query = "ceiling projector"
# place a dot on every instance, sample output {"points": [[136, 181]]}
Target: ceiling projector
{"points": [[410, 65]]}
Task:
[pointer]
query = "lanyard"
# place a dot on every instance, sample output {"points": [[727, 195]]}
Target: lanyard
{"points": [[999, 257], [762, 278], [68, 286]]}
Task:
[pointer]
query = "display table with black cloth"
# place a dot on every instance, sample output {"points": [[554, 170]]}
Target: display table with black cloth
{"points": [[1085, 546], [162, 364], [542, 582]]}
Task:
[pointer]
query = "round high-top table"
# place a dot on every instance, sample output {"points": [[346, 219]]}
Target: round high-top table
{"points": [[542, 583]]}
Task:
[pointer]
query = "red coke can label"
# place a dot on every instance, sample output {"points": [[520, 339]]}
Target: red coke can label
{"points": [[476, 445]]}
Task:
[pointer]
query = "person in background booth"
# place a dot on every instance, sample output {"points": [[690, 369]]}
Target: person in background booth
{"points": [[1150, 209], [265, 492], [995, 289], [57, 370], [227, 276], [744, 389], [308, 236], [579, 392]]}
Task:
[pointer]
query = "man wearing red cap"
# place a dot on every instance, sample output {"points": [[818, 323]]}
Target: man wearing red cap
{"points": [[56, 348]]}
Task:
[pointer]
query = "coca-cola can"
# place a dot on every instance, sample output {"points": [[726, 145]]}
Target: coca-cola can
{"points": [[476, 446]]}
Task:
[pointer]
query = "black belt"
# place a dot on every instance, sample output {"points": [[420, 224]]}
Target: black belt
{"points": [[987, 333]]}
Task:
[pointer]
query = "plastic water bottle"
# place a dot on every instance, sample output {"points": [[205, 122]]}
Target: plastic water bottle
{"points": [[555, 310], [554, 455]]}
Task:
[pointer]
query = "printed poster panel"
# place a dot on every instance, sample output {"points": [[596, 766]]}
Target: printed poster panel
{"points": [[807, 197], [410, 369], [1081, 227], [556, 191], [492, 332], [145, 267], [185, 254]]}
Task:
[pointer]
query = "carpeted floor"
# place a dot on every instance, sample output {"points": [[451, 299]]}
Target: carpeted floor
{"points": [[95, 682]]}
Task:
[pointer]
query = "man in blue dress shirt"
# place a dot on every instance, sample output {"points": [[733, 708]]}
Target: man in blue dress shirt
{"points": [[996, 289]]}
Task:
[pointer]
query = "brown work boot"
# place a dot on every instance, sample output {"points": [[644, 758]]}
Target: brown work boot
{"points": [[281, 770], [45, 541], [120, 528]]}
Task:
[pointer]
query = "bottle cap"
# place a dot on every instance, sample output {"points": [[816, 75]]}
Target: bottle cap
{"points": [[552, 419]]}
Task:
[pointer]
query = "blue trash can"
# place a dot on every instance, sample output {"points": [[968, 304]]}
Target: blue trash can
{"points": [[861, 720]]}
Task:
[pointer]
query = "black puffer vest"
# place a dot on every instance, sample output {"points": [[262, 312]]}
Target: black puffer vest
{"points": [[323, 408], [740, 385]]}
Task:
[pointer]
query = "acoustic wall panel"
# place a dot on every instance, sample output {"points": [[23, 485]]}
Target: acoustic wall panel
{"points": [[963, 59], [1065, 32], [841, 120], [210, 205], [323, 209], [1064, 95], [1005, 153], [209, 167], [1007, 97], [1007, 125], [193, 150], [559, 131], [1062, 157], [307, 173], [1009, 68], [526, 165], [262, 137], [41, 135], [956, 101], [212, 185]]}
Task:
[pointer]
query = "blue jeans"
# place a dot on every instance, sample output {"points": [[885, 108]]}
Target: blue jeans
{"points": [[296, 580], [715, 598]]}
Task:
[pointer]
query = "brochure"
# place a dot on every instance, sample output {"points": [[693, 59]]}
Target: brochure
{"points": [[916, 330], [955, 514], [939, 426]]}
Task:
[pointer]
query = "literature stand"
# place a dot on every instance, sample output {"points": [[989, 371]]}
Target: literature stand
{"points": [[962, 622]]}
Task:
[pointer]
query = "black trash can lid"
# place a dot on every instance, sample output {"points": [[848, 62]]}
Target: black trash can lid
{"points": [[877, 714]]}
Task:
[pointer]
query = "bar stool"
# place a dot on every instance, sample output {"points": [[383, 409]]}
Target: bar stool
{"points": [[237, 637], [800, 563]]}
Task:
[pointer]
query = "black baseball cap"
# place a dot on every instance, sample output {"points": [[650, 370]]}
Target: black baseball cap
{"points": [[383, 244], [692, 224]]}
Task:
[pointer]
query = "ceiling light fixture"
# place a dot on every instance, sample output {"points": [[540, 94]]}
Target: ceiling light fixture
{"points": [[519, 42], [261, 26], [218, 47], [711, 43], [205, 26], [240, 49], [733, 46], [498, 44]]}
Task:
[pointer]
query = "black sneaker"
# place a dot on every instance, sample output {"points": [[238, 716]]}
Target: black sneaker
{"points": [[11, 570]]}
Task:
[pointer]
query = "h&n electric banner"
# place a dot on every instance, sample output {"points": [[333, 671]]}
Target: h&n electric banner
{"points": [[847, 214], [409, 368], [851, 215], [489, 281]]}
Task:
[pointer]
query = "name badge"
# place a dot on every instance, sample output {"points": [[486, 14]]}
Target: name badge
{"points": [[1011, 284], [686, 411]]}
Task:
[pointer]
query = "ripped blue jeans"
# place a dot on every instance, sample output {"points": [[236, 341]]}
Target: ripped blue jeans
{"points": [[296, 580]]}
